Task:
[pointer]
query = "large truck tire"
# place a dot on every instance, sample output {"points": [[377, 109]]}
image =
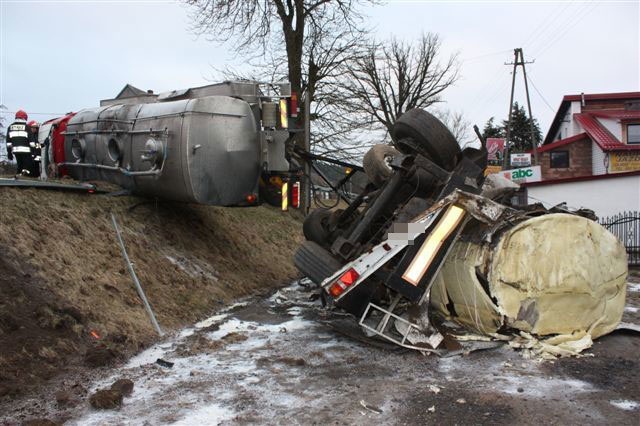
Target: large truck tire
{"points": [[316, 226], [376, 163], [418, 132], [315, 262]]}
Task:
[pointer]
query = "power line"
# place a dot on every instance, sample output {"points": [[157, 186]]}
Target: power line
{"points": [[540, 93], [473, 58], [579, 18], [548, 23], [551, 33]]}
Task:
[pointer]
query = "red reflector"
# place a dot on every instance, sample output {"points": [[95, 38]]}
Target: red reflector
{"points": [[251, 198], [336, 289], [295, 195], [349, 277]]}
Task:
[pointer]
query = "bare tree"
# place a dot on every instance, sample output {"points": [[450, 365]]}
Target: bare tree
{"points": [[262, 26], [318, 36], [459, 126], [394, 77]]}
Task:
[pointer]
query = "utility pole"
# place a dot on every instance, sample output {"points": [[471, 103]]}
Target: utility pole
{"points": [[519, 60]]}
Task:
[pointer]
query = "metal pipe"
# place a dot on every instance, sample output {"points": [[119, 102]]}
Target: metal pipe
{"points": [[98, 132], [310, 156], [183, 113], [135, 278], [100, 120], [125, 172]]}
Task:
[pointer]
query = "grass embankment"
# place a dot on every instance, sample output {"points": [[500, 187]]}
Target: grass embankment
{"points": [[62, 274]]}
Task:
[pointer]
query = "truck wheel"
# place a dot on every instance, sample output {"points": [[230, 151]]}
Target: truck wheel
{"points": [[315, 262], [376, 163], [418, 132], [316, 226]]}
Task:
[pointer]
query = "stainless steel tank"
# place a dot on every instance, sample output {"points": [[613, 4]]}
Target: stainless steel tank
{"points": [[208, 150]]}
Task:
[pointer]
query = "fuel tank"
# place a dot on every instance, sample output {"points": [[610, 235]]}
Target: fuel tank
{"points": [[205, 150]]}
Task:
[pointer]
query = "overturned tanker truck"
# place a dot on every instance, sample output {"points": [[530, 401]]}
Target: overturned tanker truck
{"points": [[434, 257], [209, 145]]}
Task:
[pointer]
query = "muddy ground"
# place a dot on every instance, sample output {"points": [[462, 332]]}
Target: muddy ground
{"points": [[67, 301], [283, 359]]}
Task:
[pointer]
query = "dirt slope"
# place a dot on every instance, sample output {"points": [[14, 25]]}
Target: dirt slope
{"points": [[62, 275]]}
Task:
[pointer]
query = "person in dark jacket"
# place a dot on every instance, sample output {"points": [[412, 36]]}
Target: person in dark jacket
{"points": [[34, 143], [18, 138]]}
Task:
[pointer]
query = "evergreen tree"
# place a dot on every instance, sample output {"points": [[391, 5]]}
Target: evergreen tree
{"points": [[491, 130], [520, 137]]}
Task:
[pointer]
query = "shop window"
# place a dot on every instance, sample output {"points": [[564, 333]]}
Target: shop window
{"points": [[559, 159], [633, 133]]}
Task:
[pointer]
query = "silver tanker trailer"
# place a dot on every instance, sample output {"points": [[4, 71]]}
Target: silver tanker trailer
{"points": [[207, 145]]}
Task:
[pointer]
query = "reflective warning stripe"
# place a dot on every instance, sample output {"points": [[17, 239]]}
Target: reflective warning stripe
{"points": [[32, 144], [36, 158], [18, 134], [432, 245], [9, 144], [22, 149], [284, 119], [285, 196]]}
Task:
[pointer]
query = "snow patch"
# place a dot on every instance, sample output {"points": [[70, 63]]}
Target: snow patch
{"points": [[210, 415], [192, 268], [625, 404]]}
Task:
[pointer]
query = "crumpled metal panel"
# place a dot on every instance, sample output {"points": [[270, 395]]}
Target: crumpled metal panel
{"points": [[552, 274]]}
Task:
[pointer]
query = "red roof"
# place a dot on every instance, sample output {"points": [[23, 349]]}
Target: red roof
{"points": [[617, 114], [600, 135], [602, 96], [562, 142], [566, 102]]}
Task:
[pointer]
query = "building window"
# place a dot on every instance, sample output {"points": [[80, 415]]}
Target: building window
{"points": [[633, 133], [560, 159]]}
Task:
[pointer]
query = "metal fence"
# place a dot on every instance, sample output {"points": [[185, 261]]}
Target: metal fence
{"points": [[626, 226]]}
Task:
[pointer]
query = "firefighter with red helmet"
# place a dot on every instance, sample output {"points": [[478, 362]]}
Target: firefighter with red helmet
{"points": [[18, 138], [34, 126]]}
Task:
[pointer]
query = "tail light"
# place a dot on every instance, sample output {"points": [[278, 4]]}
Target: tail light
{"points": [[251, 198], [294, 104], [345, 281], [295, 195]]}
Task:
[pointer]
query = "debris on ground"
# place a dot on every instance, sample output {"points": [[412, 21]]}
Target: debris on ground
{"points": [[106, 399], [161, 362], [124, 386]]}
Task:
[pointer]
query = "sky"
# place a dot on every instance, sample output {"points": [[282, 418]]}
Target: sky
{"points": [[60, 56]]}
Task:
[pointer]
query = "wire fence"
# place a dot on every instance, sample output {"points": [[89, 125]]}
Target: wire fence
{"points": [[626, 226]]}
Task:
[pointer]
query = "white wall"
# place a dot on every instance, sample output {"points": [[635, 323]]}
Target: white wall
{"points": [[597, 160], [613, 126], [606, 196]]}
